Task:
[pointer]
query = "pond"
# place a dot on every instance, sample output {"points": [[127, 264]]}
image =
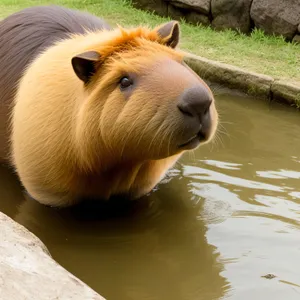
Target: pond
{"points": [[224, 224]]}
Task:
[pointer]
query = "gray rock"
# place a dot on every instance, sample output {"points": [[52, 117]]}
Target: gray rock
{"points": [[192, 17], [160, 7], [27, 272], [299, 28], [197, 18], [233, 14], [202, 6], [276, 16], [175, 13], [296, 39]]}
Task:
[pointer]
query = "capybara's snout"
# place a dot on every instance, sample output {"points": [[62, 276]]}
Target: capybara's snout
{"points": [[196, 108]]}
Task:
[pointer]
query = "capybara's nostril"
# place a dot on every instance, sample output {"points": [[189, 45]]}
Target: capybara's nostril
{"points": [[185, 109], [195, 102]]}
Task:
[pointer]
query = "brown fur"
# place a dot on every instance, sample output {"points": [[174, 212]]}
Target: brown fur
{"points": [[23, 35], [72, 140]]}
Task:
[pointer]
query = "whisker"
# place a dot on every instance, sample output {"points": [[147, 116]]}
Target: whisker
{"points": [[170, 139], [226, 122], [146, 127], [160, 127], [163, 138], [128, 135], [192, 156]]}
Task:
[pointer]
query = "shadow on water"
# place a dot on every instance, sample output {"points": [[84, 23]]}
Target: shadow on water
{"points": [[225, 216]]}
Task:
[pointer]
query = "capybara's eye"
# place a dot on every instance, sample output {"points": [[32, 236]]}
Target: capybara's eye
{"points": [[125, 82]]}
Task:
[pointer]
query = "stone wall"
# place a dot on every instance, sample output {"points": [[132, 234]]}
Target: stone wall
{"points": [[28, 272], [279, 17]]}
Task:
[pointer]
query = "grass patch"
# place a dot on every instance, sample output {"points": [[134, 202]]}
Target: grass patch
{"points": [[268, 55]]}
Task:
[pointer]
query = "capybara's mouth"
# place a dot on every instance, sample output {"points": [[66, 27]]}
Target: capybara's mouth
{"points": [[194, 141]]}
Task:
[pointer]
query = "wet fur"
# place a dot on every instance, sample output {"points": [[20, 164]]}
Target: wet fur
{"points": [[71, 140]]}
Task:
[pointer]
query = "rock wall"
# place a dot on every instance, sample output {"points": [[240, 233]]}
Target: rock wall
{"points": [[279, 17]]}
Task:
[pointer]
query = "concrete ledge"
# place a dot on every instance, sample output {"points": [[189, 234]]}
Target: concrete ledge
{"points": [[249, 82], [27, 272], [287, 92]]}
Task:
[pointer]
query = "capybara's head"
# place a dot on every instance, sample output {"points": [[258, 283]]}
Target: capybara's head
{"points": [[141, 101]]}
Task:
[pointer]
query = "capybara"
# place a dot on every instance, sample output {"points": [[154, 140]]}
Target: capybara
{"points": [[91, 111]]}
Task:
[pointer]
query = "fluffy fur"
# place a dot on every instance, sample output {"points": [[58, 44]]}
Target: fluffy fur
{"points": [[71, 139], [23, 35]]}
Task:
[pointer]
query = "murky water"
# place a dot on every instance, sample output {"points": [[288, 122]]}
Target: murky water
{"points": [[225, 217]]}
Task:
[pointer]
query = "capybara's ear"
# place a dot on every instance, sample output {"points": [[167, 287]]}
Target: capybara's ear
{"points": [[84, 64], [169, 33]]}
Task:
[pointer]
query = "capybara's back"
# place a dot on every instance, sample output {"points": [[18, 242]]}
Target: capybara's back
{"points": [[98, 112], [23, 36]]}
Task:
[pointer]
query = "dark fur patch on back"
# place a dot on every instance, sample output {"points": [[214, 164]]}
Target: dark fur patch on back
{"points": [[23, 36]]}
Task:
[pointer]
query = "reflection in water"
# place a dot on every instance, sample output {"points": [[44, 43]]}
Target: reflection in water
{"points": [[225, 217], [153, 249]]}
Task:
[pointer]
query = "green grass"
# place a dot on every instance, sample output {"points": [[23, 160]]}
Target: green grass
{"points": [[259, 53]]}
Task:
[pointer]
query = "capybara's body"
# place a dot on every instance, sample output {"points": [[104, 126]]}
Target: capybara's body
{"points": [[97, 112], [23, 36]]}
